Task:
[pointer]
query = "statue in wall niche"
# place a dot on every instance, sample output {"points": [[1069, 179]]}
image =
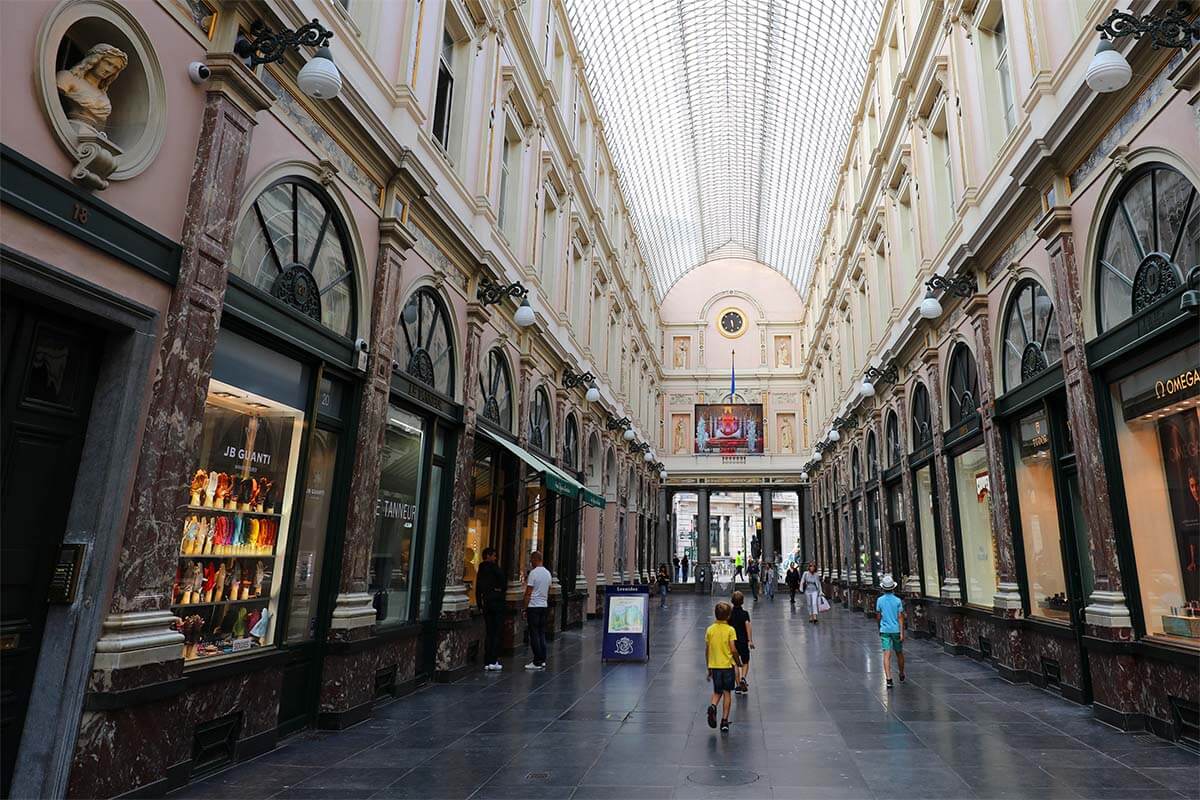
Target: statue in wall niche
{"points": [[679, 443], [783, 353], [786, 445], [84, 87], [84, 92], [681, 353]]}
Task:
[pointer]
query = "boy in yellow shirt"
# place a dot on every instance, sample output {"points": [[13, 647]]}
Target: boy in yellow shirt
{"points": [[720, 642]]}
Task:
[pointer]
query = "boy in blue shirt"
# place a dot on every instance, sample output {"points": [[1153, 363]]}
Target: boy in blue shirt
{"points": [[891, 627]]}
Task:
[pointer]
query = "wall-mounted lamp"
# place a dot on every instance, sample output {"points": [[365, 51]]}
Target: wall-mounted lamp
{"points": [[572, 381], [847, 422], [962, 286], [489, 293], [1109, 71], [874, 377], [630, 434], [319, 78], [615, 424], [804, 475], [834, 436]]}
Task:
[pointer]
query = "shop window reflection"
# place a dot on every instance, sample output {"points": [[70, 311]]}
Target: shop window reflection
{"points": [[1033, 468], [923, 488], [396, 517], [972, 486]]}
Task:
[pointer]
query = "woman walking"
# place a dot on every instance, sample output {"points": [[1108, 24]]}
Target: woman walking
{"points": [[664, 582], [792, 579], [769, 579], [812, 590]]}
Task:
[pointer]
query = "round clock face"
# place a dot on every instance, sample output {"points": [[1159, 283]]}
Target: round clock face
{"points": [[732, 322]]}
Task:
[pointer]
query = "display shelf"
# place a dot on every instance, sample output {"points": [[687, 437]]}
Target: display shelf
{"points": [[260, 599], [234, 511], [219, 556]]}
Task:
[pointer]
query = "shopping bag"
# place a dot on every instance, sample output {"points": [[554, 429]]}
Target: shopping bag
{"points": [[822, 603]]}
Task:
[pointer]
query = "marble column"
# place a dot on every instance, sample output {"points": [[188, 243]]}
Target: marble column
{"points": [[1107, 614], [703, 540], [768, 524], [912, 582], [137, 639], [1007, 600], [951, 588]]}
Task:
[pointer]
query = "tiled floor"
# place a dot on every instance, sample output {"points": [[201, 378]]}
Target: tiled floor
{"points": [[818, 723]]}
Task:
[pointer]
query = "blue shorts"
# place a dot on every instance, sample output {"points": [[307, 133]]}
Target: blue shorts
{"points": [[723, 680], [891, 641]]}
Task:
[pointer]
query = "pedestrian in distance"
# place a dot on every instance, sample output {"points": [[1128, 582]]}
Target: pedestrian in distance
{"points": [[537, 601], [721, 656], [489, 595], [664, 584], [675, 573], [753, 573], [769, 579], [810, 583], [683, 565], [739, 620], [738, 564], [891, 627], [792, 579]]}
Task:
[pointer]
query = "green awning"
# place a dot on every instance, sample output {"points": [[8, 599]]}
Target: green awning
{"points": [[591, 498], [554, 479]]}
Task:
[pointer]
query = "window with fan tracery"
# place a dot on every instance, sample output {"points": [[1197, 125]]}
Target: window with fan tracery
{"points": [[424, 348]]}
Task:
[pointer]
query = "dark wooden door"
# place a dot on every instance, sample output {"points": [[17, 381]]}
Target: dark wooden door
{"points": [[48, 377]]}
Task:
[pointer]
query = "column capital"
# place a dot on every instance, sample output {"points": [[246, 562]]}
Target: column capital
{"points": [[235, 81]]}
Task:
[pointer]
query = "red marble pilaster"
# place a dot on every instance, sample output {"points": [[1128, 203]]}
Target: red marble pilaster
{"points": [[941, 474]]}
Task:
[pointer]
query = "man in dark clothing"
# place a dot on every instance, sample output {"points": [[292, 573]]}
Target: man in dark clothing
{"points": [[739, 618], [753, 571], [489, 594], [684, 566], [792, 579]]}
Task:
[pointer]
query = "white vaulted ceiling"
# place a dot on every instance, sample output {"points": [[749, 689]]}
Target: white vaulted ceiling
{"points": [[727, 120]]}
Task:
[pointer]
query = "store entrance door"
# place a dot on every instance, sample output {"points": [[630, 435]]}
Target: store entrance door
{"points": [[49, 375]]}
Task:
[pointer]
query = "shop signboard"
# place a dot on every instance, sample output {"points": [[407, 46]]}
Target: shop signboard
{"points": [[626, 623]]}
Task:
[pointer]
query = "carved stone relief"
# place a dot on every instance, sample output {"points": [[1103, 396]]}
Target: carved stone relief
{"points": [[785, 424], [681, 434], [681, 357], [783, 351]]}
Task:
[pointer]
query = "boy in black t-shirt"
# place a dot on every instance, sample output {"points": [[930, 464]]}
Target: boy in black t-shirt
{"points": [[740, 620]]}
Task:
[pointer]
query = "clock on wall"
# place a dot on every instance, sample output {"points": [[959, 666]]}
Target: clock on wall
{"points": [[732, 323]]}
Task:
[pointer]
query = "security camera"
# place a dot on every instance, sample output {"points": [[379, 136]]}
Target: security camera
{"points": [[360, 344], [199, 72]]}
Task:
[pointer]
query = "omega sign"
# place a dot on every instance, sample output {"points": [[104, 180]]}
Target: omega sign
{"points": [[1184, 380]]}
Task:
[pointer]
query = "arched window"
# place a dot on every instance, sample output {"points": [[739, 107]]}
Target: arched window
{"points": [[571, 443], [872, 457], [855, 468], [593, 461], [293, 245], [1149, 239], [539, 420], [1031, 342], [610, 474], [922, 430], [964, 386], [891, 432], [428, 353], [495, 387]]}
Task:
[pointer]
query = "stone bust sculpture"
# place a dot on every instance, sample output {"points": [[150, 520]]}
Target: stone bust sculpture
{"points": [[84, 87]]}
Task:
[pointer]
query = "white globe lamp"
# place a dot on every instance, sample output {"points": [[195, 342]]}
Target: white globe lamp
{"points": [[867, 389], [524, 316], [662, 474], [930, 307], [803, 476], [647, 457], [1108, 71], [593, 394], [319, 78], [834, 436], [629, 435], [817, 455]]}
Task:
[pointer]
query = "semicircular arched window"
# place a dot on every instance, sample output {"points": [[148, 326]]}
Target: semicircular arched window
{"points": [[293, 245], [964, 386], [872, 457], [1031, 343], [922, 429], [495, 387], [571, 443], [891, 433], [539, 421], [1149, 239], [423, 344], [855, 468]]}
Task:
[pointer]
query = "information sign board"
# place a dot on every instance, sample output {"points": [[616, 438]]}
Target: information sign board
{"points": [[626, 623]]}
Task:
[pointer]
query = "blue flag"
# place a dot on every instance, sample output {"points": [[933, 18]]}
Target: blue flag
{"points": [[732, 376]]}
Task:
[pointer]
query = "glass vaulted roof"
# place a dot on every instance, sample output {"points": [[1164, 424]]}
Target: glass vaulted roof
{"points": [[727, 120]]}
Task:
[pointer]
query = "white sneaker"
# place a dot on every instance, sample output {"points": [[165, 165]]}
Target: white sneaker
{"points": [[497, 666], [532, 666], [492, 667]]}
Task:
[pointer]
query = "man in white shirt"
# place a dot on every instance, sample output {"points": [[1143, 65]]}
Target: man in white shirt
{"points": [[537, 602]]}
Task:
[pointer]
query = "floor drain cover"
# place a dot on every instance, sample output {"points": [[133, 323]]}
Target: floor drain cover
{"points": [[722, 777], [537, 776]]}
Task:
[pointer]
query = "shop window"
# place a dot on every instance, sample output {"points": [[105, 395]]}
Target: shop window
{"points": [[855, 468], [1150, 238], [495, 387], [234, 540], [571, 444], [432, 525], [1158, 435], [292, 244], [310, 549], [539, 421], [963, 396], [1033, 469], [891, 433], [428, 353], [390, 577], [1031, 342], [487, 508], [922, 429], [872, 457], [972, 488], [925, 498]]}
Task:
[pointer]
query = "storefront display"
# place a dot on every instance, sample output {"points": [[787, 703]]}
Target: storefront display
{"points": [[232, 546], [923, 489], [310, 547], [1037, 507], [1157, 423], [390, 575], [972, 488]]}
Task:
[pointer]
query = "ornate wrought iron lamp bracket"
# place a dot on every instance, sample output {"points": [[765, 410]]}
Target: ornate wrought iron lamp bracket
{"points": [[961, 286], [267, 46], [1174, 28], [642, 447], [848, 422], [883, 375], [572, 381], [615, 424], [490, 293]]}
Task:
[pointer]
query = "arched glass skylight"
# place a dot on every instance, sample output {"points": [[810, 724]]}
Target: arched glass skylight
{"points": [[727, 120]]}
